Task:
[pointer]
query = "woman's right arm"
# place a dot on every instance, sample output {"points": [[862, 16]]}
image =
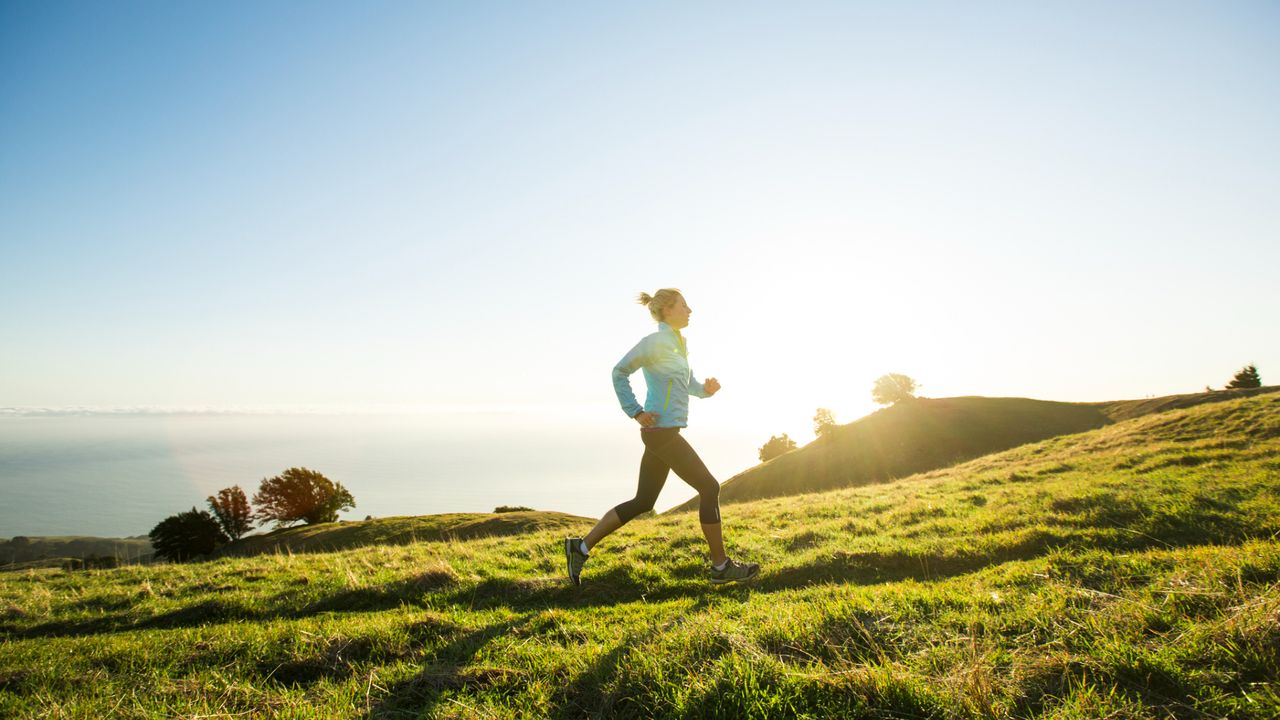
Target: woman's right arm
{"points": [[632, 361]]}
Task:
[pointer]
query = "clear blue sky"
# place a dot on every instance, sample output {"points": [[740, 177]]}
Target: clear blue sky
{"points": [[454, 205]]}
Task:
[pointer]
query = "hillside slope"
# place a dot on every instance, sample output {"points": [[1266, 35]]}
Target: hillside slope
{"points": [[926, 433], [399, 530], [1132, 571], [1128, 409], [23, 551]]}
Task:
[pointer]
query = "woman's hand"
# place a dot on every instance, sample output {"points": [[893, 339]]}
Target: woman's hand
{"points": [[711, 386], [647, 419]]}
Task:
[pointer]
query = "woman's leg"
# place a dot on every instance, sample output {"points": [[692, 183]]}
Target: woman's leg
{"points": [[681, 457], [715, 541], [653, 475], [607, 524]]}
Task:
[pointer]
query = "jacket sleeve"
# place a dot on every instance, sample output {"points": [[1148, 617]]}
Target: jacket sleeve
{"points": [[696, 388], [632, 361]]}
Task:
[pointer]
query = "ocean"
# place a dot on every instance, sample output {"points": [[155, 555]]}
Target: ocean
{"points": [[117, 474]]}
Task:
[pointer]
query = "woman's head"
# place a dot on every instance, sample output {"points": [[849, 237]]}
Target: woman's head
{"points": [[667, 305]]}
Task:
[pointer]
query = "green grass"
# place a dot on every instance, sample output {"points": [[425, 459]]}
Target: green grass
{"points": [[1127, 572], [930, 433], [399, 530]]}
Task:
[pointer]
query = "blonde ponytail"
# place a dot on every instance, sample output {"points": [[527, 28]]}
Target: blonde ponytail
{"points": [[659, 301]]}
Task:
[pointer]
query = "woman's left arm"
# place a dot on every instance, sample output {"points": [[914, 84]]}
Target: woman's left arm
{"points": [[701, 389]]}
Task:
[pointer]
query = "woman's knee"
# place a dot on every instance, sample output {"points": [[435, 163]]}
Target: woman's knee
{"points": [[710, 490], [709, 511], [709, 502], [633, 508]]}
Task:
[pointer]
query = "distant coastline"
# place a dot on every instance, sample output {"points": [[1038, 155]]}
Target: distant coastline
{"points": [[335, 410]]}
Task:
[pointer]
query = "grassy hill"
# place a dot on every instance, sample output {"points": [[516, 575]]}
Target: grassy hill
{"points": [[401, 530], [1128, 409], [925, 434], [1131, 571], [24, 552]]}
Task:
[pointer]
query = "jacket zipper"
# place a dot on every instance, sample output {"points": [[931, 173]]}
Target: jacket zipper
{"points": [[680, 342]]}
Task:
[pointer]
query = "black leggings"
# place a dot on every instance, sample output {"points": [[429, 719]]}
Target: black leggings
{"points": [[664, 451]]}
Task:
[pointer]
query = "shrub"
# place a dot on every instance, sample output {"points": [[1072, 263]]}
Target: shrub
{"points": [[777, 445], [187, 535], [512, 508]]}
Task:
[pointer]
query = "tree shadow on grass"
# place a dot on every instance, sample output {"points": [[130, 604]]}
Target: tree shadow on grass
{"points": [[619, 585], [449, 671], [296, 661], [334, 662], [609, 587], [871, 568], [208, 611], [339, 657], [216, 610], [586, 695], [852, 696], [451, 674]]}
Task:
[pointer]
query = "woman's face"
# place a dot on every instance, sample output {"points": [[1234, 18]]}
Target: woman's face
{"points": [[677, 315]]}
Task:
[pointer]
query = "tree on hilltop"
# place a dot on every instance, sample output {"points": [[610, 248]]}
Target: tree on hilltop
{"points": [[301, 494], [187, 535], [777, 445], [823, 422], [1247, 377], [893, 388], [231, 508]]}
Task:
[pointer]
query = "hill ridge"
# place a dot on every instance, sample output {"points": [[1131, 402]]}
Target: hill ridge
{"points": [[928, 433], [397, 530]]}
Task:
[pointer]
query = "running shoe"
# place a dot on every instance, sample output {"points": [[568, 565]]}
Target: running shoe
{"points": [[574, 558], [734, 572]]}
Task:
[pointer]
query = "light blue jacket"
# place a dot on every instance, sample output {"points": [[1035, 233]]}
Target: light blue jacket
{"points": [[664, 355]]}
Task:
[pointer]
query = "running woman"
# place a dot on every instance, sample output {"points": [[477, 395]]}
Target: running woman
{"points": [[664, 356]]}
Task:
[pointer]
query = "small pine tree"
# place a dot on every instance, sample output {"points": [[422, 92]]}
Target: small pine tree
{"points": [[1247, 377], [301, 494], [824, 421], [893, 388], [187, 535], [777, 445], [231, 508]]}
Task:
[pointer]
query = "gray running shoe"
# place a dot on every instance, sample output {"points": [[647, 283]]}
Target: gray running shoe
{"points": [[574, 558], [734, 572]]}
